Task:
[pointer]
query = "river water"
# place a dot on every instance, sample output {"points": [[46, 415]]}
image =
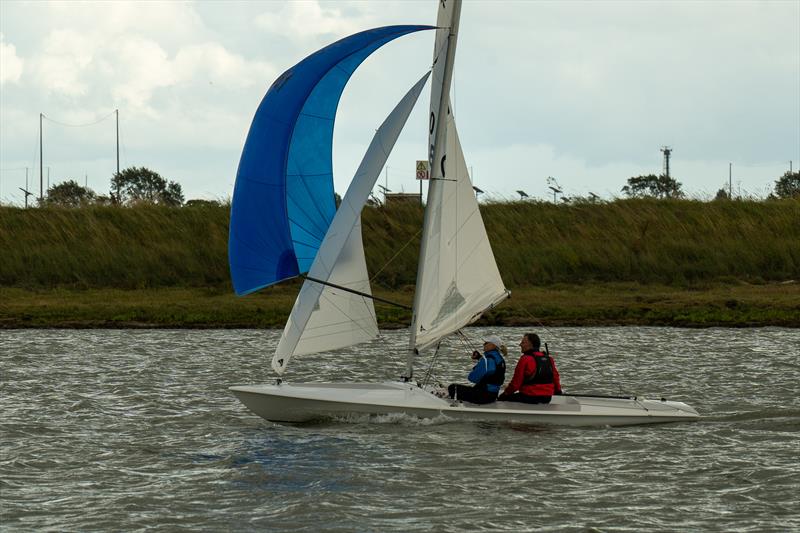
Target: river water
{"points": [[135, 430]]}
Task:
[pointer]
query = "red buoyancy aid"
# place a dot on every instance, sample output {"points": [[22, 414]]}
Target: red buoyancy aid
{"points": [[541, 376]]}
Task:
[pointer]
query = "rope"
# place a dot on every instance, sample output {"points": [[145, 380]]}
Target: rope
{"points": [[429, 371], [375, 275], [77, 125], [541, 325]]}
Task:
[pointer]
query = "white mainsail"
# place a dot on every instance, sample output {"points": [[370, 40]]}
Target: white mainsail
{"points": [[324, 317], [458, 275], [444, 51]]}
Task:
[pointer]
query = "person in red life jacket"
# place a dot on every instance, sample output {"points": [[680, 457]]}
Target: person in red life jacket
{"points": [[488, 374], [536, 377]]}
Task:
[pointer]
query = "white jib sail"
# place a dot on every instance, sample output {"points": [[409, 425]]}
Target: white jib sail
{"points": [[458, 278], [323, 317]]}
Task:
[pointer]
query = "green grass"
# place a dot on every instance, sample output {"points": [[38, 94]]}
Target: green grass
{"points": [[654, 262], [673, 242], [600, 304]]}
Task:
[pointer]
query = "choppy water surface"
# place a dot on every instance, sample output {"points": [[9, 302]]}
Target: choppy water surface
{"points": [[133, 430]]}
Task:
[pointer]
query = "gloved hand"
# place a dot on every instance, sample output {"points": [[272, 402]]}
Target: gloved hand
{"points": [[476, 354]]}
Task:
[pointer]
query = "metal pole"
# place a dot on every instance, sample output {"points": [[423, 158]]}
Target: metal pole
{"points": [[730, 181], [41, 160], [117, 112]]}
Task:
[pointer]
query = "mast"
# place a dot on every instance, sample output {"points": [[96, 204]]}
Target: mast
{"points": [[438, 126]]}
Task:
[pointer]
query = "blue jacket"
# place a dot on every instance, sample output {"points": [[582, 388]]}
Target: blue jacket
{"points": [[489, 366]]}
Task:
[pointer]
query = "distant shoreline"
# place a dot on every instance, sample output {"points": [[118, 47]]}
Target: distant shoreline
{"points": [[606, 304]]}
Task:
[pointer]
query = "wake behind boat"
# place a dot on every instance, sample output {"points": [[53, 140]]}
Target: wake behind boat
{"points": [[285, 224]]}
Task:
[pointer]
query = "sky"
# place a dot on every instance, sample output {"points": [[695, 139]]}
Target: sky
{"points": [[584, 92]]}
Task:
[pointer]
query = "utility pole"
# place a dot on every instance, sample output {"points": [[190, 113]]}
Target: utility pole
{"points": [[730, 181], [41, 163], [667, 152], [117, 113]]}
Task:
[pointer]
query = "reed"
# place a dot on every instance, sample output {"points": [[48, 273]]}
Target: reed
{"points": [[673, 242]]}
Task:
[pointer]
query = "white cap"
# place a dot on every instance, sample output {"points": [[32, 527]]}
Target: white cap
{"points": [[494, 339]]}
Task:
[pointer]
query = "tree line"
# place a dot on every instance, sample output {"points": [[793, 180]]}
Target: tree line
{"points": [[132, 186], [140, 185], [663, 186]]}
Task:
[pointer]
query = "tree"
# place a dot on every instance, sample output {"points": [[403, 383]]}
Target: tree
{"points": [[653, 186], [136, 185], [788, 185], [722, 194], [69, 194]]}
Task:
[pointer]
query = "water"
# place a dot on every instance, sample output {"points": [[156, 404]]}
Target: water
{"points": [[135, 430]]}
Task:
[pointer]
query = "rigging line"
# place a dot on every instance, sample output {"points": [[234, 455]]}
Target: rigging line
{"points": [[353, 291], [429, 371], [541, 325], [395, 255], [77, 125]]}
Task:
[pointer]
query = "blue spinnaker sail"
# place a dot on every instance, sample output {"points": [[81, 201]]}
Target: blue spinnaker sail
{"points": [[283, 200]]}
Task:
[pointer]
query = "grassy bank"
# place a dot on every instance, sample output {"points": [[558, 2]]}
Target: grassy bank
{"points": [[597, 304], [679, 243], [684, 263]]}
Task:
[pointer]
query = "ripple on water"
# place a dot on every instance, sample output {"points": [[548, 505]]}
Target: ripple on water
{"points": [[130, 430]]}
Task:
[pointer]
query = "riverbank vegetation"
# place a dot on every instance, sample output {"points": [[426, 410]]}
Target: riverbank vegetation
{"points": [[646, 261]]}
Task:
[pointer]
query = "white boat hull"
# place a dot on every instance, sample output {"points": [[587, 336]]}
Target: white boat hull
{"points": [[303, 402]]}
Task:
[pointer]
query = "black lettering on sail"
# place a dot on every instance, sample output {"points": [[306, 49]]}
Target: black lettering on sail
{"points": [[432, 123], [442, 165]]}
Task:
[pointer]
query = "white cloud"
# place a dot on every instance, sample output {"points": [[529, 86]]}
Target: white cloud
{"points": [[142, 66], [64, 57], [584, 91], [10, 64], [220, 66], [307, 20]]}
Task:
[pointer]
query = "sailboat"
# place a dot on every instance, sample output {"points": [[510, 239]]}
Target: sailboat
{"points": [[285, 224]]}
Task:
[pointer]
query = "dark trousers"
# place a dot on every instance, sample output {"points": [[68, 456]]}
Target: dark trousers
{"points": [[526, 399], [469, 394]]}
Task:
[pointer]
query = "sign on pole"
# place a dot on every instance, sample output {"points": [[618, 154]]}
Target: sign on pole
{"points": [[423, 172]]}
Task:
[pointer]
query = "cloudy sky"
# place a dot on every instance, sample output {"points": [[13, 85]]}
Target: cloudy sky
{"points": [[586, 92]]}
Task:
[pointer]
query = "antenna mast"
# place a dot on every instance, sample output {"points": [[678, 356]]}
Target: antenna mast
{"points": [[667, 153]]}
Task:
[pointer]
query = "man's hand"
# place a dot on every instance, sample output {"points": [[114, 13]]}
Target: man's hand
{"points": [[476, 355]]}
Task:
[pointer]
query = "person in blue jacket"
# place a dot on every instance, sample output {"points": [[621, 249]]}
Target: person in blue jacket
{"points": [[488, 374]]}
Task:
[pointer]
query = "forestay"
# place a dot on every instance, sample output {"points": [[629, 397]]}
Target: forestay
{"points": [[325, 318]]}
